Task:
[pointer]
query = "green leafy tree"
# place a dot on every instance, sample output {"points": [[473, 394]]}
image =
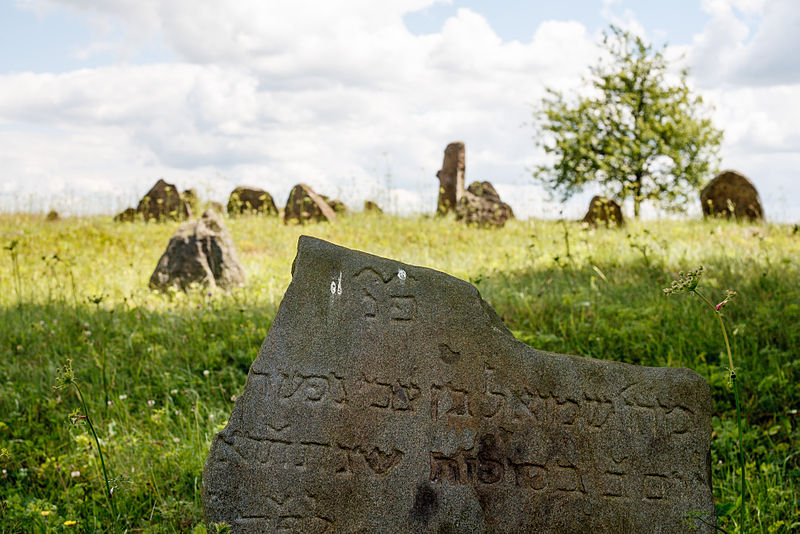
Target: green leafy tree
{"points": [[635, 132]]}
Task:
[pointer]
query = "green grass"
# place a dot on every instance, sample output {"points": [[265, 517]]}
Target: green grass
{"points": [[160, 372]]}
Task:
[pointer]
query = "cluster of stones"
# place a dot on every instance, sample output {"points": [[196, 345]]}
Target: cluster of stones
{"points": [[164, 203], [392, 398], [479, 204]]}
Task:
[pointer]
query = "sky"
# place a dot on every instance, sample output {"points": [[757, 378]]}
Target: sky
{"points": [[357, 98]]}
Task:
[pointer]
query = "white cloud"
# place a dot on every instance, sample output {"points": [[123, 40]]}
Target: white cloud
{"points": [[339, 96], [728, 51]]}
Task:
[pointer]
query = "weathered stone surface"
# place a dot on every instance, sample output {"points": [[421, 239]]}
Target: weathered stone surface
{"points": [[731, 193], [391, 398], [215, 206], [451, 177], [163, 202], [336, 205], [372, 207], [481, 205], [251, 200], [52, 215], [127, 215], [304, 205], [604, 210], [201, 251], [191, 198]]}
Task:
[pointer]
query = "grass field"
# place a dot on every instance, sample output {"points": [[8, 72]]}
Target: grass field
{"points": [[160, 371]]}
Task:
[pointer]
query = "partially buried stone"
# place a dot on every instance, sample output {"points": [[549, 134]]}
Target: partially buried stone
{"points": [[730, 193], [481, 205], [304, 205], [603, 210], [201, 251], [163, 202], [245, 199], [391, 398]]}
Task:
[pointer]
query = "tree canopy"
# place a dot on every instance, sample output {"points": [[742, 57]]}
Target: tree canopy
{"points": [[636, 133]]}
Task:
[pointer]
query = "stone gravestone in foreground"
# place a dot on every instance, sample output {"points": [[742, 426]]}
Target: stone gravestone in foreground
{"points": [[391, 398]]}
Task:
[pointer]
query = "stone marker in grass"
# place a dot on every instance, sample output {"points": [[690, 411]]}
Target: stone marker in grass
{"points": [[391, 398], [202, 252]]}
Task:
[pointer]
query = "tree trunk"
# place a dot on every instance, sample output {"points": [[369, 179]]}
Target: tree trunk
{"points": [[637, 194]]}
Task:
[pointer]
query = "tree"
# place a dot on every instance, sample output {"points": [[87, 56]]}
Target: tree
{"points": [[635, 134]]}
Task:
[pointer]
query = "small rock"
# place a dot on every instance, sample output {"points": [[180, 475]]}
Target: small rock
{"points": [[127, 215], [372, 207], [604, 210], [251, 200]]}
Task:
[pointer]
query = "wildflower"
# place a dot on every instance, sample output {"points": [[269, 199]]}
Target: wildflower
{"points": [[173, 392], [729, 294], [70, 523], [176, 440], [206, 372], [110, 403], [151, 403], [685, 282], [45, 513], [75, 474], [233, 398], [123, 397]]}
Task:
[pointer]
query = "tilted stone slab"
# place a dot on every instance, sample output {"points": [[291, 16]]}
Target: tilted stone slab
{"points": [[391, 398]]}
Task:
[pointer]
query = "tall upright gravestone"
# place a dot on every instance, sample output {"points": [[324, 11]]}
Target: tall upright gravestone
{"points": [[391, 398], [451, 177]]}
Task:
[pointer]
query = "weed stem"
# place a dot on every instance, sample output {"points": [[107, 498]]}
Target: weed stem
{"points": [[735, 384], [99, 450]]}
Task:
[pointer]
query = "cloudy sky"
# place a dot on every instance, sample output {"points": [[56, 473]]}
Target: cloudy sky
{"points": [[357, 98]]}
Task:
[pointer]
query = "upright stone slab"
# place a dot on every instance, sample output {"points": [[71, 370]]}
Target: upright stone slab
{"points": [[391, 398], [451, 177]]}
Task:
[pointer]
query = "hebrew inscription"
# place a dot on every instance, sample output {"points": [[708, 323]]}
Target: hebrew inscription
{"points": [[391, 398]]}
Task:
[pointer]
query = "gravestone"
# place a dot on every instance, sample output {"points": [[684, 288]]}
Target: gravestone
{"points": [[200, 251], [389, 398], [604, 210], [127, 215], [371, 206], [163, 202], [336, 205], [304, 205], [481, 205], [251, 200], [451, 177], [730, 193]]}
